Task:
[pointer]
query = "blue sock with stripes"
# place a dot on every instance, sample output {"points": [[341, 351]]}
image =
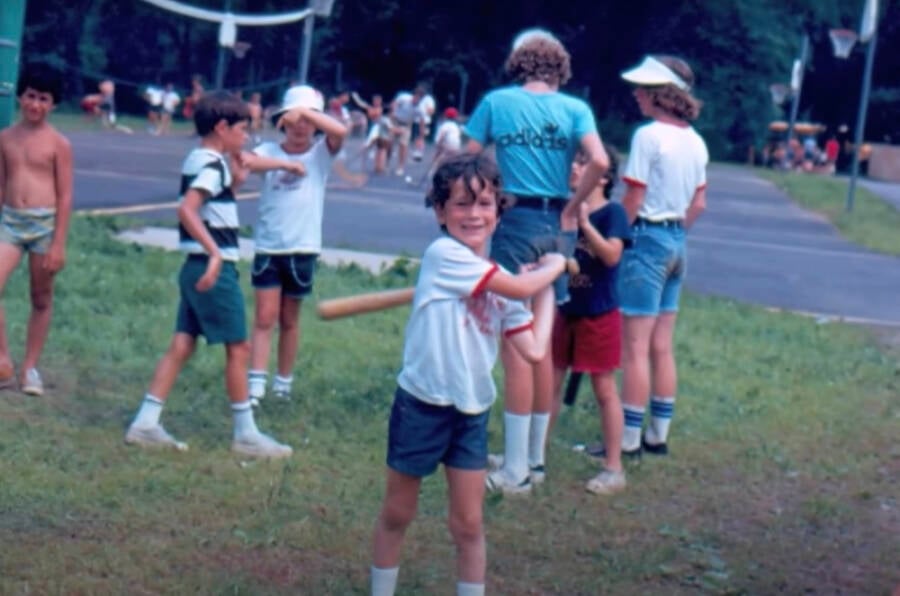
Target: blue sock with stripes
{"points": [[661, 410], [634, 421]]}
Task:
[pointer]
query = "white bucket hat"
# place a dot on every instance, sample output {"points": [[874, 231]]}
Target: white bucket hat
{"points": [[653, 72], [300, 96]]}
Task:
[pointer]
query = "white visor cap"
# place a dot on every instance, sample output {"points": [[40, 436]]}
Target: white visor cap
{"points": [[653, 72]]}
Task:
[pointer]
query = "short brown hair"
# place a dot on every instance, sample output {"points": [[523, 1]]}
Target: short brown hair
{"points": [[540, 58], [672, 100], [465, 167], [216, 106]]}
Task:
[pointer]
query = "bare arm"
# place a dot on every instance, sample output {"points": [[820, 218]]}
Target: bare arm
{"points": [[632, 201], [260, 163], [608, 250], [528, 283], [533, 344], [598, 163], [334, 130], [189, 216], [474, 146], [697, 206], [62, 169], [2, 169]]}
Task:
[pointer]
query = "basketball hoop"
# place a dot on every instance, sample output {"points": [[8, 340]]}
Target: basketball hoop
{"points": [[780, 93], [240, 49], [842, 41]]}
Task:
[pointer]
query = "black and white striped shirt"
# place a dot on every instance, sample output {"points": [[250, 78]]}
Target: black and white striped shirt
{"points": [[207, 170]]}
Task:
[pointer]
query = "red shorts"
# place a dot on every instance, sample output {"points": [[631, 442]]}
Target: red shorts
{"points": [[588, 344]]}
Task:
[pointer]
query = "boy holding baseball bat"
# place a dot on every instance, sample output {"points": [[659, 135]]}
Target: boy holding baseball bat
{"points": [[463, 304]]}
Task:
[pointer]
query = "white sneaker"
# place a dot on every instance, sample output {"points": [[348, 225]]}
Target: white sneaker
{"points": [[537, 473], [281, 390], [33, 384], [606, 482], [260, 445], [498, 481], [153, 436]]}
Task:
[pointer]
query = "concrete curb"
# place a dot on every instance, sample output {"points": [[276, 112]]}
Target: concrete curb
{"points": [[167, 239]]}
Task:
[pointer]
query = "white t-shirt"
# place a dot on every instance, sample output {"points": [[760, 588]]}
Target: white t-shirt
{"points": [[170, 101], [670, 161], [449, 136], [452, 334], [426, 107], [154, 95], [291, 207], [404, 110]]}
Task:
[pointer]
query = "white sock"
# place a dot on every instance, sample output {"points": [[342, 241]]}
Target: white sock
{"points": [[283, 383], [634, 421], [257, 382], [537, 438], [384, 581], [661, 411], [469, 589], [515, 458], [148, 414], [244, 424]]}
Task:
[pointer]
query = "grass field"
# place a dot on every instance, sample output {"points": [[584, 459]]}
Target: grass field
{"points": [[873, 222], [784, 476]]}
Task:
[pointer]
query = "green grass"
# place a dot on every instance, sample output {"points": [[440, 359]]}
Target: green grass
{"points": [[783, 477], [873, 222], [68, 120]]}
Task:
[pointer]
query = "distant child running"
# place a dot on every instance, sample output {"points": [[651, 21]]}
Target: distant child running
{"points": [[35, 206], [463, 304], [587, 334], [288, 236], [212, 303]]}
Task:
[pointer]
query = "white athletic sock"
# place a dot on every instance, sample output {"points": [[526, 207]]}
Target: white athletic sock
{"points": [[634, 421], [537, 438], [661, 411], [257, 381], [244, 424], [515, 459], [469, 589], [384, 581], [148, 414], [282, 383]]}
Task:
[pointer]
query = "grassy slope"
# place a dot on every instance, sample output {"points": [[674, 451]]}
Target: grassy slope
{"points": [[784, 473]]}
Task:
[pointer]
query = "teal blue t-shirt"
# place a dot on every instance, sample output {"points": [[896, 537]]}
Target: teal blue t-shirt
{"points": [[536, 136]]}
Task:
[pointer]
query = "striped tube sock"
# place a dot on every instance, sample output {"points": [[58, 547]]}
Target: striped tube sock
{"points": [[634, 420], [257, 380], [537, 438], [469, 589], [282, 384], [384, 581], [661, 410], [244, 424], [148, 414]]}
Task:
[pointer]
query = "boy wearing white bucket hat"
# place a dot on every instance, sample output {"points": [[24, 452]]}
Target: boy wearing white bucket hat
{"points": [[288, 234]]}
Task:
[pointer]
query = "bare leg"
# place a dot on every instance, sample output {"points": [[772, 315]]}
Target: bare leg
{"points": [[288, 334], [559, 375], [10, 256], [171, 363], [636, 333], [662, 356], [611, 418], [41, 310], [518, 381], [266, 313], [466, 488], [237, 355], [397, 512]]}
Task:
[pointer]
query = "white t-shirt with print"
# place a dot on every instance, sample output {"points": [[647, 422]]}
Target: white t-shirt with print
{"points": [[405, 111], [452, 334], [670, 161], [449, 136], [291, 207]]}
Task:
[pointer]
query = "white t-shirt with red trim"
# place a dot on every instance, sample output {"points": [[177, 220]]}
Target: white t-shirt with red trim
{"points": [[452, 334], [670, 162]]}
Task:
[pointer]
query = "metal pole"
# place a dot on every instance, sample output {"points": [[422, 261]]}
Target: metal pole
{"points": [[795, 96], [220, 65], [12, 20], [861, 119], [306, 48]]}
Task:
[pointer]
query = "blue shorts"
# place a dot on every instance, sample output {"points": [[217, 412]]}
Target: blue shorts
{"points": [[524, 234], [422, 435], [293, 273], [217, 314], [652, 270]]}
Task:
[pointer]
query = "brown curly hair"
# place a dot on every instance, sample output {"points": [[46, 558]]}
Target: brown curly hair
{"points": [[540, 58], [672, 100]]}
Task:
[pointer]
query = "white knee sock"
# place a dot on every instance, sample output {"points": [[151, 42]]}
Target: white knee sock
{"points": [[516, 430], [257, 381], [537, 438], [661, 411], [469, 589], [148, 414], [634, 421], [244, 424], [384, 581]]}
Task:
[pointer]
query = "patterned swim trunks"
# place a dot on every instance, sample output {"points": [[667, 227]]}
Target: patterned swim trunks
{"points": [[29, 229]]}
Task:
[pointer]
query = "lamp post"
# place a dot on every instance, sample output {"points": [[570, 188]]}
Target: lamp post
{"points": [[868, 34], [797, 86]]}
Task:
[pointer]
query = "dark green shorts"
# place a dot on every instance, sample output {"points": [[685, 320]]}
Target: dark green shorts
{"points": [[217, 314]]}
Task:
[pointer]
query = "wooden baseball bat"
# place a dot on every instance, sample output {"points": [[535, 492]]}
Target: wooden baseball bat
{"points": [[358, 304]]}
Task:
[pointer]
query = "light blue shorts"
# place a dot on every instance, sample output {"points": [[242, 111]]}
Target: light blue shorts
{"points": [[653, 270]]}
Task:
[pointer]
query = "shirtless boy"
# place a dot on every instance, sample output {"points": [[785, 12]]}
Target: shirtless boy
{"points": [[35, 205]]}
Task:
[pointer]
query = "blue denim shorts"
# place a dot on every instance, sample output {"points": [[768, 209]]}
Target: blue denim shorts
{"points": [[652, 270], [217, 314], [293, 273], [525, 234], [423, 435]]}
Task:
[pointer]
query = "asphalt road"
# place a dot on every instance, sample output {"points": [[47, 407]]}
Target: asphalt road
{"points": [[753, 244]]}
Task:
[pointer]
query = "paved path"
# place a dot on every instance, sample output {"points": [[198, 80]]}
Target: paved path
{"points": [[889, 191], [753, 244]]}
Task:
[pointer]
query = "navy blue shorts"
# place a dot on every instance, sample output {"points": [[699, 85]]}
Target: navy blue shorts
{"points": [[293, 273], [423, 435]]}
